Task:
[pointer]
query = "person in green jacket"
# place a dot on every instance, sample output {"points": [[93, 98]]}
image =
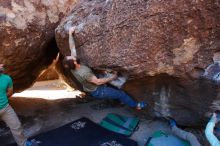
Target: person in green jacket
{"points": [[7, 114]]}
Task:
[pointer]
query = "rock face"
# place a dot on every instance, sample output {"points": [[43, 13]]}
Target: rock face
{"points": [[165, 46], [144, 37], [26, 32], [189, 102]]}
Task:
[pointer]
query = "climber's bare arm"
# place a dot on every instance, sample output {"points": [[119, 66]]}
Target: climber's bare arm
{"points": [[101, 81], [72, 42]]}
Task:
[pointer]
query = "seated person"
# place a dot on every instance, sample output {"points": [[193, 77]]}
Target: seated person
{"points": [[213, 140], [183, 134]]}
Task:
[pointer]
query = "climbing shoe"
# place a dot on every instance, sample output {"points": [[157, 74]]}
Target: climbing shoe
{"points": [[171, 121], [141, 105]]}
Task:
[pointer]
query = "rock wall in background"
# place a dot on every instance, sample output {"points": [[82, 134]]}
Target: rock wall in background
{"points": [[169, 49], [165, 47], [27, 36]]}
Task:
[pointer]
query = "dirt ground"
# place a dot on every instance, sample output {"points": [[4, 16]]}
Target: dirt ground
{"points": [[48, 105]]}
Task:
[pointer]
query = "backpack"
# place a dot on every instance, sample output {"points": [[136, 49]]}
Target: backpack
{"points": [[120, 124]]}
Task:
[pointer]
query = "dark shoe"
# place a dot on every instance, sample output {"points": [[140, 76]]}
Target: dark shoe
{"points": [[171, 121]]}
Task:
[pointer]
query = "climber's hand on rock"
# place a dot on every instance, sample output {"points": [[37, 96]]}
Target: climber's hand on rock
{"points": [[114, 75], [72, 30]]}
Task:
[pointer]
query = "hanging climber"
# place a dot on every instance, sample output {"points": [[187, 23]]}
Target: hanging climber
{"points": [[213, 140], [96, 87], [7, 114]]}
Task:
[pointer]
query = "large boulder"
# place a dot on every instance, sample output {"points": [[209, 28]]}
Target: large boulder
{"points": [[26, 32], [165, 47]]}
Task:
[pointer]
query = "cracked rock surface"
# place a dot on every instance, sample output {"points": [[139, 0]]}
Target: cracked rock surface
{"points": [[26, 34], [165, 47]]}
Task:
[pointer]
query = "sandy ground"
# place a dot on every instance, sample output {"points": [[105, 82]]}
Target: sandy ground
{"points": [[48, 105]]}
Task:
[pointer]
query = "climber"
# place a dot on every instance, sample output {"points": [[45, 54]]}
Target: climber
{"points": [[210, 127], [91, 84], [191, 138], [7, 114]]}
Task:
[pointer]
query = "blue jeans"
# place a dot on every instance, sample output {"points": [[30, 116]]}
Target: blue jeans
{"points": [[105, 92]]}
